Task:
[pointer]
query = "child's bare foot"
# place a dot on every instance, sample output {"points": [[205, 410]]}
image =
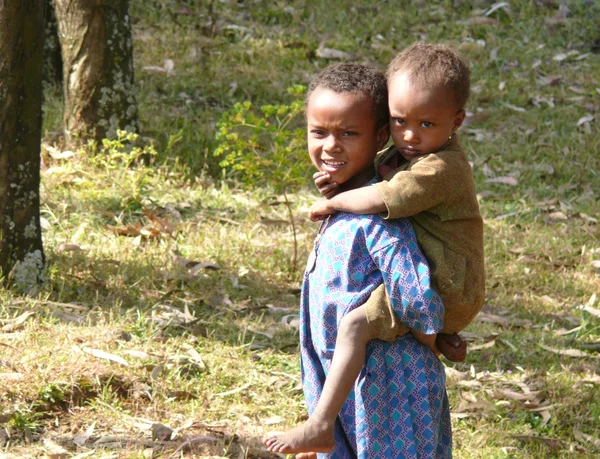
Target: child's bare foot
{"points": [[452, 346], [311, 437]]}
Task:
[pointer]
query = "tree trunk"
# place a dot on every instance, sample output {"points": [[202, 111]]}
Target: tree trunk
{"points": [[96, 45], [53, 71], [21, 61]]}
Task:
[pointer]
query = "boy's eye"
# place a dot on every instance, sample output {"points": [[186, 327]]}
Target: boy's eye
{"points": [[349, 133], [426, 124], [317, 133]]}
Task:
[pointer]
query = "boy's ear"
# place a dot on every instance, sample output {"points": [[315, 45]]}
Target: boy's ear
{"points": [[383, 135], [458, 120]]}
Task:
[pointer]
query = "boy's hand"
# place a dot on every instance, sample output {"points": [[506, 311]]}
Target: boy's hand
{"points": [[451, 346], [323, 182], [320, 210]]}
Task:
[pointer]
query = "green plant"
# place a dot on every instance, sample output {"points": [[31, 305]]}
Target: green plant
{"points": [[266, 148], [123, 152]]}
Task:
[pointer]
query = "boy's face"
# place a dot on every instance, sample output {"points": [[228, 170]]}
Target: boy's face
{"points": [[343, 137], [421, 119]]}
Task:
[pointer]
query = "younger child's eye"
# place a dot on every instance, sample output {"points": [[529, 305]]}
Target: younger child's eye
{"points": [[426, 124], [399, 121]]}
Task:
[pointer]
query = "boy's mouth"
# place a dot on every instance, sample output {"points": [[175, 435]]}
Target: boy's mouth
{"points": [[330, 164]]}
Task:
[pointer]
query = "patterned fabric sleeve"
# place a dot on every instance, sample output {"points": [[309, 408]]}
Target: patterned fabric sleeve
{"points": [[406, 275]]}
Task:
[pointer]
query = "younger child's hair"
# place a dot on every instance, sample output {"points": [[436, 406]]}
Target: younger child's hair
{"points": [[435, 65], [358, 79]]}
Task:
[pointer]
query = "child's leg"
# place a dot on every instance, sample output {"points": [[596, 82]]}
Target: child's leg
{"points": [[316, 434]]}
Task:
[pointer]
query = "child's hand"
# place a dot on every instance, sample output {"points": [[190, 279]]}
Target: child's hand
{"points": [[452, 347], [320, 210], [323, 182]]}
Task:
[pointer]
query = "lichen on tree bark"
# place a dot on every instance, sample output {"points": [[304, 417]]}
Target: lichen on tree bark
{"points": [[97, 56], [21, 60]]}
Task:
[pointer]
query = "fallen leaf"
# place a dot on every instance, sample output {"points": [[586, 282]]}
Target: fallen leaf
{"points": [[105, 355], [154, 68], [497, 6], [234, 391], [588, 218], [18, 322], [484, 317], [69, 248], [551, 80], [169, 65], [137, 354], [55, 451], [515, 108], [483, 346], [505, 180], [593, 311], [81, 439], [66, 317], [291, 320], [516, 395], [553, 443], [585, 119], [273, 420], [563, 331], [586, 438], [205, 265], [568, 352], [456, 415], [330, 53], [546, 416], [564, 56], [470, 384], [556, 217]]}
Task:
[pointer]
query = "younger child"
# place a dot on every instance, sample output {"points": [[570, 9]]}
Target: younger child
{"points": [[427, 178], [398, 406]]}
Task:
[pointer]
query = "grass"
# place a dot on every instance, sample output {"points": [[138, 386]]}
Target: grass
{"points": [[211, 353]]}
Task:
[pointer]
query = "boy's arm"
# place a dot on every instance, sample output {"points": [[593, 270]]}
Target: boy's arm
{"points": [[362, 201]]}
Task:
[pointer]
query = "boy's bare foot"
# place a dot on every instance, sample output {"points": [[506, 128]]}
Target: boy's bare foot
{"points": [[311, 437], [452, 346]]}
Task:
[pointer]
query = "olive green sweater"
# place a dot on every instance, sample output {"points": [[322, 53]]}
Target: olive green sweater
{"points": [[437, 192]]}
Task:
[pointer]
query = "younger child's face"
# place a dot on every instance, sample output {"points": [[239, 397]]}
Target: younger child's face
{"points": [[421, 119], [343, 137]]}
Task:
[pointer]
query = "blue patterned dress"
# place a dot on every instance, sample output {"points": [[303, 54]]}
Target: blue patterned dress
{"points": [[399, 407]]}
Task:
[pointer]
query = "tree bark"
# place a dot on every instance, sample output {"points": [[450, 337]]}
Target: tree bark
{"points": [[53, 71], [21, 61], [96, 45]]}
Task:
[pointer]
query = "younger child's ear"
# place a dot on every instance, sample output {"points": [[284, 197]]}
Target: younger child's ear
{"points": [[458, 119], [383, 135]]}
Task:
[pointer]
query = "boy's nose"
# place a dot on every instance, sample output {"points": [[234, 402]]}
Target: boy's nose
{"points": [[331, 145], [410, 136]]}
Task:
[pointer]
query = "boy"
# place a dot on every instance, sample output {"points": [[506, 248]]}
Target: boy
{"points": [[428, 179], [348, 122]]}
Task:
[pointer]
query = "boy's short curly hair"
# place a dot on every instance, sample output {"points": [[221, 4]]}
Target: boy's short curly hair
{"points": [[435, 65], [359, 79]]}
